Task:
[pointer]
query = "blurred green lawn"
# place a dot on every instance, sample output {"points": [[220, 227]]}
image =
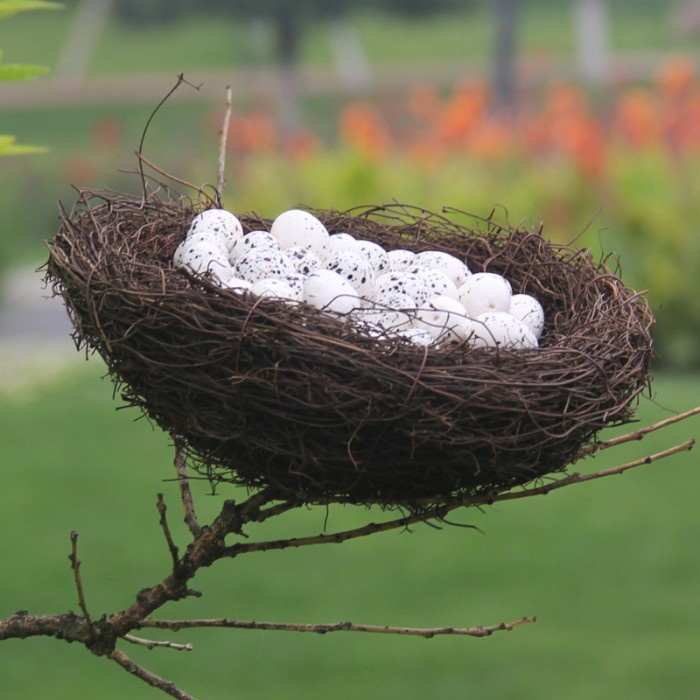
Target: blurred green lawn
{"points": [[611, 569], [206, 41]]}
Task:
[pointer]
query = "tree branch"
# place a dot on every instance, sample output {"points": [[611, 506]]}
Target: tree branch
{"points": [[75, 565], [172, 548], [156, 681], [641, 432], [223, 136], [68, 626], [574, 478], [185, 492], [340, 537], [426, 632], [577, 478], [153, 644], [209, 545]]}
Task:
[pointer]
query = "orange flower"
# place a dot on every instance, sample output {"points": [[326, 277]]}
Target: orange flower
{"points": [[301, 146], [362, 128], [491, 140], [255, 132], [676, 75], [106, 133], [424, 102], [462, 113], [638, 118]]}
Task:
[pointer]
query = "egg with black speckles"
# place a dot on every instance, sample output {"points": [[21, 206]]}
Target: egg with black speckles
{"points": [[354, 267], [329, 291], [221, 223], [296, 227], [259, 263], [526, 308], [500, 329]]}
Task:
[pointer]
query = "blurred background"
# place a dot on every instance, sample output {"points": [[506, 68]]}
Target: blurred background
{"points": [[580, 115]]}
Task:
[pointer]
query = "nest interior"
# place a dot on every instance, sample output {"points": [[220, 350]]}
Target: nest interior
{"points": [[263, 393]]}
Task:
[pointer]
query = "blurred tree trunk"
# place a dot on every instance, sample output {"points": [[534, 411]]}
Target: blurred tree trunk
{"points": [[85, 31], [289, 24], [353, 68], [504, 78], [592, 39]]}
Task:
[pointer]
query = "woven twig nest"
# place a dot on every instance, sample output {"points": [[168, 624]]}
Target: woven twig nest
{"points": [[267, 394]]}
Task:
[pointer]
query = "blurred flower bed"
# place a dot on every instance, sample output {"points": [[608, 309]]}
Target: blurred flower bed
{"points": [[619, 173]]}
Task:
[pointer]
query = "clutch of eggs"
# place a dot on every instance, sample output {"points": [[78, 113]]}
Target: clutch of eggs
{"points": [[430, 299]]}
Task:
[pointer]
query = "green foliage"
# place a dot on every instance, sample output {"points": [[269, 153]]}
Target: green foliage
{"points": [[15, 72], [11, 71], [9, 147], [13, 7]]}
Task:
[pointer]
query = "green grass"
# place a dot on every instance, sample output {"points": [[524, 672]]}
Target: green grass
{"points": [[610, 569], [205, 41]]}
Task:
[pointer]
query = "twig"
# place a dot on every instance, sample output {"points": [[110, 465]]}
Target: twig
{"points": [[185, 491], [153, 644], [339, 537], [162, 509], [426, 632], [641, 432], [574, 478], [155, 681], [577, 478], [223, 136], [139, 152], [143, 159], [75, 565]]}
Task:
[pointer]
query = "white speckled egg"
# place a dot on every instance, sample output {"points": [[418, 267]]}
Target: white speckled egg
{"points": [[236, 283], [329, 291], [375, 254], [407, 282], [395, 310], [440, 315], [355, 268], [304, 260], [256, 239], [203, 257], [400, 259], [199, 239], [417, 336], [221, 223], [500, 329], [260, 263], [484, 292], [451, 266], [188, 247], [298, 227], [274, 288], [529, 311], [340, 241], [295, 280], [439, 284]]}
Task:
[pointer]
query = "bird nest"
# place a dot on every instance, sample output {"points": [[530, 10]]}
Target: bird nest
{"points": [[264, 393]]}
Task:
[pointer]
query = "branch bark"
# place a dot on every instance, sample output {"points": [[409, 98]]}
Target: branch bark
{"points": [[425, 632]]}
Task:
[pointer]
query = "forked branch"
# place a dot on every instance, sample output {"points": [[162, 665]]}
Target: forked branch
{"points": [[209, 545]]}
